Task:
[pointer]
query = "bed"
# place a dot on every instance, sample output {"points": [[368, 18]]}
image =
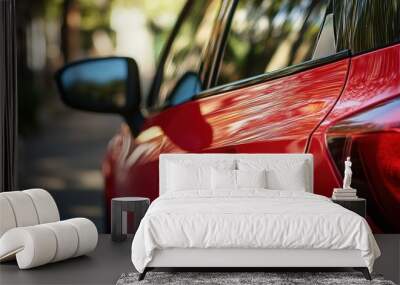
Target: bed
{"points": [[245, 211]]}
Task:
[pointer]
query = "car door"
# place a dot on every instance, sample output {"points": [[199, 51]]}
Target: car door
{"points": [[271, 80], [279, 76], [131, 165]]}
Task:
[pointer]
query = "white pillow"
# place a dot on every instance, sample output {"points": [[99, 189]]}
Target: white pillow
{"points": [[235, 179], [282, 174], [187, 174], [251, 178], [223, 179], [292, 179], [182, 178]]}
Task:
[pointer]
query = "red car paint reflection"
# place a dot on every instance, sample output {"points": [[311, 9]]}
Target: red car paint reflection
{"points": [[301, 112], [372, 139], [364, 123]]}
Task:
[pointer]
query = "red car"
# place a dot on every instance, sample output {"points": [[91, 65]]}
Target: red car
{"points": [[246, 76]]}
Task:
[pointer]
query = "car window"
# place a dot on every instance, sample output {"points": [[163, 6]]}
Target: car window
{"points": [[364, 25], [268, 35], [188, 49]]}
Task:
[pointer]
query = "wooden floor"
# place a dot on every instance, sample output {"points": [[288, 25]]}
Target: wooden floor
{"points": [[111, 259]]}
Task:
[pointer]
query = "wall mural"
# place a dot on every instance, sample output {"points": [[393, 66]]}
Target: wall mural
{"points": [[263, 88]]}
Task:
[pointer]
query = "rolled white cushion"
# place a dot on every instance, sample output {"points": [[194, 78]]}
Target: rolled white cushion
{"points": [[40, 244], [7, 218], [87, 235], [33, 246], [67, 240], [45, 205], [23, 208]]}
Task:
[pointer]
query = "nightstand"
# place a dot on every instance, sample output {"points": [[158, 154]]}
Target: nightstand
{"points": [[119, 207], [358, 205]]}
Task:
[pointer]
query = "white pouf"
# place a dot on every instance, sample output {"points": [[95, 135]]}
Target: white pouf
{"points": [[37, 245], [31, 232]]}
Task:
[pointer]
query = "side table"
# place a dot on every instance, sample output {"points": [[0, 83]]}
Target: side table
{"points": [[357, 205], [119, 207]]}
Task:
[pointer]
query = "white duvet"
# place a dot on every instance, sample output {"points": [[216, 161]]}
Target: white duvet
{"points": [[250, 219]]}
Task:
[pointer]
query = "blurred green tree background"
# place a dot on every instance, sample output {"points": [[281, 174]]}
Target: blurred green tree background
{"points": [[54, 32]]}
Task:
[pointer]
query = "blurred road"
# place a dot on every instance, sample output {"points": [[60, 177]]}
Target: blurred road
{"points": [[64, 157]]}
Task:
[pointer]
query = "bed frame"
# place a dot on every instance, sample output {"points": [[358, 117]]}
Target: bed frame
{"points": [[249, 259], [240, 259]]}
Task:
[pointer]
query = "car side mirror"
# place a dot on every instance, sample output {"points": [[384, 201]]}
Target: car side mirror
{"points": [[185, 89], [104, 85]]}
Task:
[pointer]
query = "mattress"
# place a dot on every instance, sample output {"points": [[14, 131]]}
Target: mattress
{"points": [[252, 219]]}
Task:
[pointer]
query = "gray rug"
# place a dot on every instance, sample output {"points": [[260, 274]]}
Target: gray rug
{"points": [[229, 278]]}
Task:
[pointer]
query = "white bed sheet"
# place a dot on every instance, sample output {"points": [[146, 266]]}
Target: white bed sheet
{"points": [[252, 218]]}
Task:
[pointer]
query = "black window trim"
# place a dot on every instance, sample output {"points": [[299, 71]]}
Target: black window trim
{"points": [[375, 48], [290, 70]]}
